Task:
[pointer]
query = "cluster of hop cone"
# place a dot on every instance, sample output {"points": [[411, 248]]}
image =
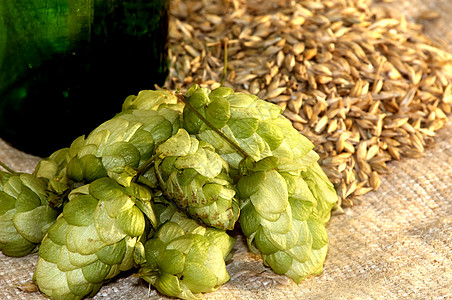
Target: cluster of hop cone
{"points": [[159, 186]]}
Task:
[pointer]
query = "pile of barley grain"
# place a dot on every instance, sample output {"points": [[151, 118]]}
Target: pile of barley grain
{"points": [[365, 87]]}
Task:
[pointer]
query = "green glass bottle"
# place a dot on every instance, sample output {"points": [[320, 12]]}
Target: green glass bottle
{"points": [[67, 65]]}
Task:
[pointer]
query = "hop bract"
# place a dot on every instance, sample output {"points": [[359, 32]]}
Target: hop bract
{"points": [[52, 170], [92, 240], [185, 259], [25, 214]]}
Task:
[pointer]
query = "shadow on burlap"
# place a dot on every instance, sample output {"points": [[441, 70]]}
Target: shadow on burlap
{"points": [[395, 243]]}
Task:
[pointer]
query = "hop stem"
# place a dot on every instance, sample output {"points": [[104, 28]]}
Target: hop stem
{"points": [[7, 168], [145, 167], [218, 131]]}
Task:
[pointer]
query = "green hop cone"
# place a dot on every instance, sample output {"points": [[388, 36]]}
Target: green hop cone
{"points": [[93, 239], [25, 214], [280, 219], [256, 126], [184, 259], [196, 178], [121, 145]]}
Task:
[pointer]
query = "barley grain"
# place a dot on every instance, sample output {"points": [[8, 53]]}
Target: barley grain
{"points": [[363, 84]]}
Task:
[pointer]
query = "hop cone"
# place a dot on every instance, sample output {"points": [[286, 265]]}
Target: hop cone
{"points": [[25, 214], [124, 143], [257, 126], [92, 240], [195, 177], [281, 221], [285, 196], [184, 259]]}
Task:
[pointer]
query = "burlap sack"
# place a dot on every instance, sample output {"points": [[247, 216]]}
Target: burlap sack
{"points": [[395, 243]]}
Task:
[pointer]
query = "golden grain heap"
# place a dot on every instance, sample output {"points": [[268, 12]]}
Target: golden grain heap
{"points": [[365, 87]]}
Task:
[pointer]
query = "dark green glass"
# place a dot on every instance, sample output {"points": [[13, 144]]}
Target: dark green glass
{"points": [[67, 65]]}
